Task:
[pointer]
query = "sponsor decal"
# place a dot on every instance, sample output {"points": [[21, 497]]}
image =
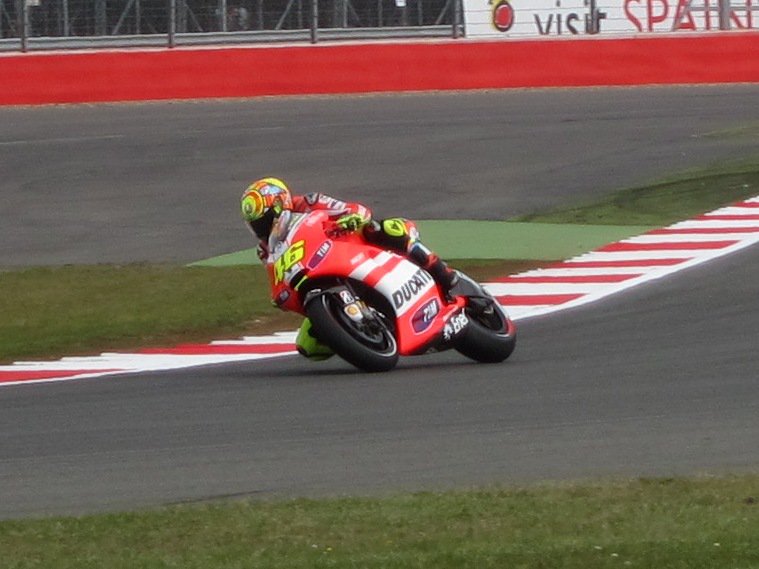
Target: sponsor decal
{"points": [[311, 198], [282, 297], [289, 259], [357, 259], [411, 288], [688, 15], [354, 312], [503, 15], [423, 318], [454, 326], [320, 254], [531, 18]]}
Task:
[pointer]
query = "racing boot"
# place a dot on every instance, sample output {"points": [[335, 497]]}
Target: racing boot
{"points": [[444, 276], [308, 346]]}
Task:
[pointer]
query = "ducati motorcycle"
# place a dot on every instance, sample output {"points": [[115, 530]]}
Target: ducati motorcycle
{"points": [[370, 305]]}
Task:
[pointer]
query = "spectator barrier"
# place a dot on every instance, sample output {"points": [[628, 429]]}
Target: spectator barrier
{"points": [[184, 73]]}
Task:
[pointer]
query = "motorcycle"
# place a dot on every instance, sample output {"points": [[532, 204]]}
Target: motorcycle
{"points": [[370, 305]]}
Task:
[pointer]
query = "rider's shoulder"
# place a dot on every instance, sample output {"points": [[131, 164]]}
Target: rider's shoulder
{"points": [[318, 200], [312, 198]]}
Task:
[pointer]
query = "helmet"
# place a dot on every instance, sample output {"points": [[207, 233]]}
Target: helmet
{"points": [[262, 201]]}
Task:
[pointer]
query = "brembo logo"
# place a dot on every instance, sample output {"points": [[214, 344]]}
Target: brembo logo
{"points": [[411, 288]]}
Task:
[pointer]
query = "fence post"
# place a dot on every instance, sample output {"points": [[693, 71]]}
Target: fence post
{"points": [[23, 24], [314, 21], [172, 23], [66, 21], [223, 15], [724, 14], [456, 19]]}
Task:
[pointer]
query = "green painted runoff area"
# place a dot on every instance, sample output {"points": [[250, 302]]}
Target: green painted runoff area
{"points": [[493, 240]]}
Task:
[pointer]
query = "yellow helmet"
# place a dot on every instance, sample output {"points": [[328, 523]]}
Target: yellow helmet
{"points": [[262, 202], [264, 196]]}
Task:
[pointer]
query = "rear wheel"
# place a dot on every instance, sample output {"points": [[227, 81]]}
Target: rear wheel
{"points": [[490, 336], [368, 344]]}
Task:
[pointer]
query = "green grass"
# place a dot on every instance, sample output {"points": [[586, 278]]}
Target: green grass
{"points": [[73, 310], [666, 202], [50, 312], [657, 524]]}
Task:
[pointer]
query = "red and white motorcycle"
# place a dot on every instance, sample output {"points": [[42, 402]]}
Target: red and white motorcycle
{"points": [[371, 306]]}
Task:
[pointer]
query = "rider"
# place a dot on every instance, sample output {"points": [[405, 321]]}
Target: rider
{"points": [[264, 200]]}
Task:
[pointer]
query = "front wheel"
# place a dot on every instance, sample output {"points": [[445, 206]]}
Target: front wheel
{"points": [[490, 336], [368, 345]]}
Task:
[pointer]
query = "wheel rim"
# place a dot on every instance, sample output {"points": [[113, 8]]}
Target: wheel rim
{"points": [[491, 318], [373, 334]]}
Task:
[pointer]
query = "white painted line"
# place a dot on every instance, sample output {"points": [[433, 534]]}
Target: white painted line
{"points": [[569, 271], [715, 224], [643, 265], [635, 255], [499, 289], [687, 238]]}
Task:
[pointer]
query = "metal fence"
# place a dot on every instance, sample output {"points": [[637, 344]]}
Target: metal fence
{"points": [[26, 24]]}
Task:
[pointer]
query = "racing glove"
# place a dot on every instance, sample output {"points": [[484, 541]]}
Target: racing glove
{"points": [[351, 222]]}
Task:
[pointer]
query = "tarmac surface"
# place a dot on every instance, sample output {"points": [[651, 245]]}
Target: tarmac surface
{"points": [[658, 381], [161, 181]]}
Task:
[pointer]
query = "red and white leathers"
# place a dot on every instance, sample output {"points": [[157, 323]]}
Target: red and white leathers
{"points": [[397, 234], [337, 210]]}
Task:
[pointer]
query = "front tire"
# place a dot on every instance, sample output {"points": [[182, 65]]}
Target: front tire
{"points": [[489, 337], [371, 350]]}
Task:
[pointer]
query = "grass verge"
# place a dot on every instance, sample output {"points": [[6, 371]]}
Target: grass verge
{"points": [[666, 202], [72, 310], [694, 524], [49, 312]]}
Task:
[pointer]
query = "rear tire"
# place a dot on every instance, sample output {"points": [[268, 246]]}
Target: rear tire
{"points": [[489, 338], [371, 351]]}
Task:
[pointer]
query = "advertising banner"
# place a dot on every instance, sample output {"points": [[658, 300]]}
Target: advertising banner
{"points": [[555, 18]]}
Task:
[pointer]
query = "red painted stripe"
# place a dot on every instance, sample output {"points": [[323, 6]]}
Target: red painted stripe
{"points": [[535, 299], [10, 376], [729, 217], [746, 204], [568, 279], [126, 75], [613, 264], [704, 230], [668, 245], [220, 349], [376, 275]]}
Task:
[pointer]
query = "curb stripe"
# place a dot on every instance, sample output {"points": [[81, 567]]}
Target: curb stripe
{"points": [[213, 349], [728, 217], [27, 375], [536, 299], [567, 279], [569, 284], [704, 230], [666, 246], [619, 264]]}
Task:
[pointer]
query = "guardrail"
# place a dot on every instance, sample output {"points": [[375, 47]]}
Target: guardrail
{"points": [[74, 24]]}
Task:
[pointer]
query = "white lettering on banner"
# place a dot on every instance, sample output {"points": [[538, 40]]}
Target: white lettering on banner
{"points": [[534, 18]]}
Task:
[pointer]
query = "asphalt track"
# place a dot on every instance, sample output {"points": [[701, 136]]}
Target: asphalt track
{"points": [[660, 380], [160, 181]]}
